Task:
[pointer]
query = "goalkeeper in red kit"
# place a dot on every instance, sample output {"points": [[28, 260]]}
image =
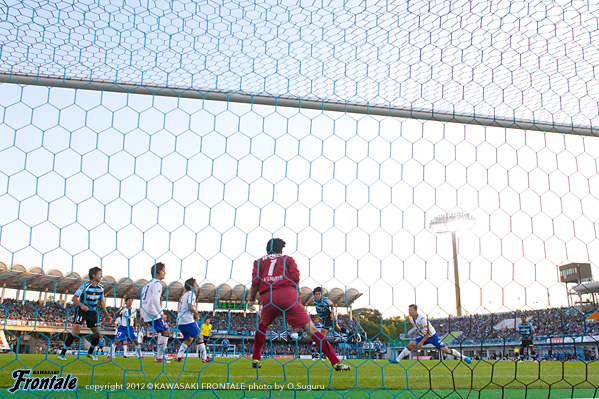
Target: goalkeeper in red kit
{"points": [[276, 277]]}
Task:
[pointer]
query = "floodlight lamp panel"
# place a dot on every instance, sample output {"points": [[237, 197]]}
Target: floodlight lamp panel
{"points": [[452, 222]]}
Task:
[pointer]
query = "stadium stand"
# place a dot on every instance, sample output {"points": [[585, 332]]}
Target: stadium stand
{"points": [[466, 331]]}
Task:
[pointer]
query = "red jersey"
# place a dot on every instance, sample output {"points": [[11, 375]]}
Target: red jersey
{"points": [[276, 271]]}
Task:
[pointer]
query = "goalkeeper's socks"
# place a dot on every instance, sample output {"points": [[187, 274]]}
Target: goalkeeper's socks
{"points": [[325, 346], [260, 337]]}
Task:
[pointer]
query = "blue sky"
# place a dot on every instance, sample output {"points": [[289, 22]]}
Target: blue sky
{"points": [[120, 180]]}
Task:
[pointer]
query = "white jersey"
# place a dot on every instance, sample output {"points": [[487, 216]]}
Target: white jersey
{"points": [[187, 303], [140, 334], [150, 301], [421, 324], [126, 317]]}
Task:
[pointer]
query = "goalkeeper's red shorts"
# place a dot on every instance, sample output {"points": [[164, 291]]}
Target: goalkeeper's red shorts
{"points": [[286, 302]]}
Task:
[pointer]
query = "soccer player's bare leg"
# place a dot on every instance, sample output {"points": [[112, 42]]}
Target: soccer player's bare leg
{"points": [[76, 329]]}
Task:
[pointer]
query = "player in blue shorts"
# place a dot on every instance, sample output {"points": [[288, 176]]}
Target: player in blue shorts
{"points": [[426, 335], [187, 320], [126, 331], [151, 310]]}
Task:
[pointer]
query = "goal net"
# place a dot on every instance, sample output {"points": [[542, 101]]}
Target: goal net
{"points": [[435, 153]]}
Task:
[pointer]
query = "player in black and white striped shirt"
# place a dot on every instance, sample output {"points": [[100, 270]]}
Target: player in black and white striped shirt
{"points": [[89, 298], [526, 332]]}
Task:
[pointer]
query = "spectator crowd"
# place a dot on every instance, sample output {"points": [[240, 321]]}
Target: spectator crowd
{"points": [[552, 322]]}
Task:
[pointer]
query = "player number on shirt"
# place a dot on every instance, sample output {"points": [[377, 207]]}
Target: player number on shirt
{"points": [[271, 269]]}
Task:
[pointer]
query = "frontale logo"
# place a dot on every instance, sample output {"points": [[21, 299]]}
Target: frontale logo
{"points": [[54, 383]]}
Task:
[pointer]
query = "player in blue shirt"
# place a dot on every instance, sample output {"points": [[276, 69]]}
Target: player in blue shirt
{"points": [[225, 343], [377, 346], [326, 310], [100, 347], [89, 298], [526, 332]]}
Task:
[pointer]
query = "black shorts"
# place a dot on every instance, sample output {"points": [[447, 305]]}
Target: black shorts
{"points": [[525, 343], [328, 322], [90, 317], [206, 338]]}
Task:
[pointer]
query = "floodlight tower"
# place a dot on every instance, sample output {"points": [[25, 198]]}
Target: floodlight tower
{"points": [[451, 223]]}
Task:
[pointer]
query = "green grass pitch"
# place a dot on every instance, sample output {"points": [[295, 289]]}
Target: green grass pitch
{"points": [[286, 378]]}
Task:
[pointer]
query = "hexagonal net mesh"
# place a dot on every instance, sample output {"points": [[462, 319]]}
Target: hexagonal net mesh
{"points": [[192, 134]]}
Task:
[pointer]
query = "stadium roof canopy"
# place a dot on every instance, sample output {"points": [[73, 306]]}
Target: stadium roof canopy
{"points": [[35, 279], [587, 288]]}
